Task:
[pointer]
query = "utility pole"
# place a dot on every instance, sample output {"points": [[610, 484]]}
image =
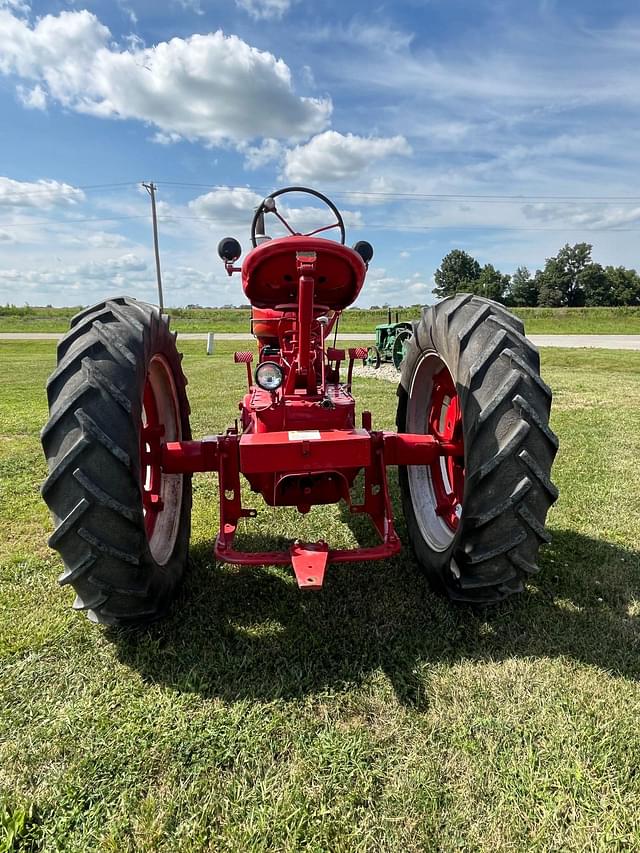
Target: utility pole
{"points": [[151, 189]]}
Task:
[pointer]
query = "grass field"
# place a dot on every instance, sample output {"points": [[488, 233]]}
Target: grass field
{"points": [[371, 717], [538, 321]]}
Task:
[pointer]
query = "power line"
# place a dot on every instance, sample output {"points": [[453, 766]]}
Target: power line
{"points": [[47, 191], [481, 198], [368, 227], [71, 221], [555, 228], [484, 198], [428, 196], [402, 227], [443, 197]]}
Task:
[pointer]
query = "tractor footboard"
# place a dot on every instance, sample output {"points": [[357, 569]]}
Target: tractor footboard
{"points": [[309, 560]]}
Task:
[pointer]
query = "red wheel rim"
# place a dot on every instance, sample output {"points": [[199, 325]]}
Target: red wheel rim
{"points": [[161, 493], [151, 470], [436, 490], [444, 421]]}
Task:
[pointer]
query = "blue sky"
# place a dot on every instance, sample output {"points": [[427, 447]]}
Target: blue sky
{"points": [[504, 128]]}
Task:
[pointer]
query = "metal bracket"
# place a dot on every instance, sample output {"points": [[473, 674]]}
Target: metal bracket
{"points": [[309, 562]]}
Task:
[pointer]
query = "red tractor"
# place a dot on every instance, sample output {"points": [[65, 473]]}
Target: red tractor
{"points": [[473, 447]]}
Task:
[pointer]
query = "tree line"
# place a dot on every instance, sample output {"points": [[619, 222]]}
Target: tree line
{"points": [[570, 279]]}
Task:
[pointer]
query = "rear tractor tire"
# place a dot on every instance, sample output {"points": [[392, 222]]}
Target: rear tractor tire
{"points": [[476, 521], [400, 346], [373, 357], [122, 526]]}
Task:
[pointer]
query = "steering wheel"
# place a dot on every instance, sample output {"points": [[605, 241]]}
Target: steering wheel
{"points": [[269, 206]]}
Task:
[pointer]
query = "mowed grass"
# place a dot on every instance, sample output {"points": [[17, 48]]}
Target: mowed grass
{"points": [[538, 321], [373, 716]]}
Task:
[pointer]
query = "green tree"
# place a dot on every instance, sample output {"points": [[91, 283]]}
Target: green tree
{"points": [[549, 296], [625, 285], [490, 283], [561, 276], [596, 286], [456, 273], [524, 289]]}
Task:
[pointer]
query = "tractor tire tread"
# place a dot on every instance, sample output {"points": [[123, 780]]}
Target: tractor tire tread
{"points": [[485, 359], [526, 368], [474, 321], [78, 571], [97, 379], [104, 499], [509, 449], [534, 418], [99, 599], [497, 509], [68, 522], [56, 413], [537, 472], [515, 438], [106, 548], [65, 462], [502, 314], [91, 443], [91, 428], [501, 394]]}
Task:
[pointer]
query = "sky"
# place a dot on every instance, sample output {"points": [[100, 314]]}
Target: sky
{"points": [[500, 127]]}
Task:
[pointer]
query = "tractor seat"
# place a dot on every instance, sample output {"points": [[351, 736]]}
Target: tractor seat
{"points": [[270, 274], [267, 324]]}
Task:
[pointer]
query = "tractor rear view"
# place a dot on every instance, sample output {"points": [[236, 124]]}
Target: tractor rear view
{"points": [[473, 445], [392, 341]]}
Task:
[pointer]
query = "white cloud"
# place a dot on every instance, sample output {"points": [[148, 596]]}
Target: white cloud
{"points": [[40, 194], [376, 36], [381, 287], [333, 156], [264, 9], [234, 207], [191, 6], [95, 240], [583, 215], [268, 151], [373, 189], [85, 283], [131, 15], [166, 138], [32, 99], [72, 284], [212, 87], [18, 6], [528, 113], [186, 284], [521, 75], [227, 206], [305, 219], [107, 269]]}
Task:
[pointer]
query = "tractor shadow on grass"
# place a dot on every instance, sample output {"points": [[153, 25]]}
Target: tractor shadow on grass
{"points": [[250, 633]]}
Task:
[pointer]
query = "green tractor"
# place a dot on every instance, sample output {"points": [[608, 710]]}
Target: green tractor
{"points": [[392, 340]]}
